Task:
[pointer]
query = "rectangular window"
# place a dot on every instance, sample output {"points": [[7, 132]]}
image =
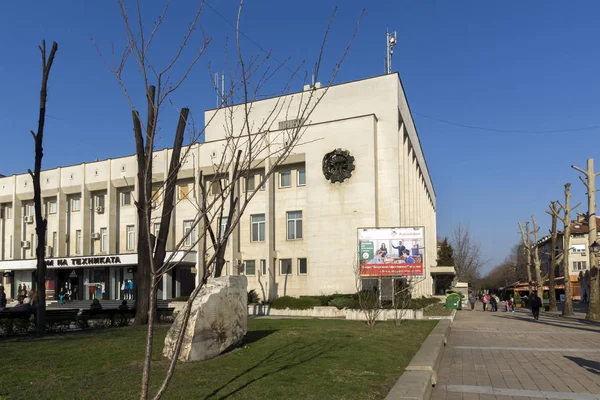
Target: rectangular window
{"points": [[130, 237], [302, 266], [188, 227], [250, 184], [258, 228], [285, 266], [222, 227], [156, 228], [579, 265], [578, 248], [100, 200], [52, 207], [184, 192], [76, 204], [31, 209], [294, 225], [126, 198], [301, 177], [31, 245], [103, 239], [285, 179], [263, 267], [54, 244], [250, 267], [78, 241], [217, 186], [9, 213]]}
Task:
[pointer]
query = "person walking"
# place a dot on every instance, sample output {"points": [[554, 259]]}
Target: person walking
{"points": [[2, 298], [485, 302], [493, 303], [536, 304], [472, 300]]}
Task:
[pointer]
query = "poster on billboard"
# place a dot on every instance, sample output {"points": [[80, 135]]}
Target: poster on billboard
{"points": [[391, 251]]}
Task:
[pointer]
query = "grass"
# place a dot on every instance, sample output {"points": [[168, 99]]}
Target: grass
{"points": [[437, 310], [281, 359]]}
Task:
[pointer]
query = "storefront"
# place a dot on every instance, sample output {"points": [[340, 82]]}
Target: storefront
{"points": [[99, 277]]}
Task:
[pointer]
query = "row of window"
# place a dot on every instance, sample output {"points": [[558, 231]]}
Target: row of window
{"points": [[579, 265], [294, 226], [248, 267]]}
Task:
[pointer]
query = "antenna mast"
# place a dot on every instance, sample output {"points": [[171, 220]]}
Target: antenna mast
{"points": [[390, 43]]}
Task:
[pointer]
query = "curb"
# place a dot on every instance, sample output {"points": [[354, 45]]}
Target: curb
{"points": [[421, 374]]}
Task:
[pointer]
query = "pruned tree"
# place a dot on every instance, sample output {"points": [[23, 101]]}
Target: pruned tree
{"points": [[40, 221], [526, 238], [566, 220], [248, 142], [555, 257], [467, 254], [593, 311], [536, 258]]}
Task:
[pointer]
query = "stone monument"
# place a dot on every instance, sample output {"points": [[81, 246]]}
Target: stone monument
{"points": [[218, 320]]}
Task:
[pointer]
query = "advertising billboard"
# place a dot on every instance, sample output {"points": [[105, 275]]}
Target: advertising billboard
{"points": [[391, 251]]}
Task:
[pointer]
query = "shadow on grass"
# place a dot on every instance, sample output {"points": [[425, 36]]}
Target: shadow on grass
{"points": [[255, 336], [590, 365], [286, 357]]}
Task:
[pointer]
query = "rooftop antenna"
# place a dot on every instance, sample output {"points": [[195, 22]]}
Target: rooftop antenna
{"points": [[390, 43], [217, 87], [222, 88]]}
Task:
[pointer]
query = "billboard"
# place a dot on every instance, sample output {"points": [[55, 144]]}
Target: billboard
{"points": [[391, 251]]}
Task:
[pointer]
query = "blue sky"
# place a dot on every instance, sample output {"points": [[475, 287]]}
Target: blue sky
{"points": [[521, 70]]}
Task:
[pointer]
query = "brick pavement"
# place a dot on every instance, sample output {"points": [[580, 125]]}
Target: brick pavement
{"points": [[509, 355]]}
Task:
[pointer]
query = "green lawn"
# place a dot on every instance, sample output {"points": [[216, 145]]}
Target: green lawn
{"points": [[282, 359]]}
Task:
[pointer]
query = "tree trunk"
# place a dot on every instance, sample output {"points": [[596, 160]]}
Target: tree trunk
{"points": [[536, 260], [526, 236], [593, 311], [40, 221], [552, 275], [568, 308]]}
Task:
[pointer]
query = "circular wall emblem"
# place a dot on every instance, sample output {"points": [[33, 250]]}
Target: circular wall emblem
{"points": [[338, 165]]}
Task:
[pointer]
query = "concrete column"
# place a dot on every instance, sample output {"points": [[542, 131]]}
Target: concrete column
{"points": [[401, 173], [270, 250], [110, 208], [17, 224], [61, 210], [87, 245]]}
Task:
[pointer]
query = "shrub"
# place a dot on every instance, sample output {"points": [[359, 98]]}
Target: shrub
{"points": [[252, 297], [181, 298], [417, 304], [293, 303], [323, 300], [341, 302]]}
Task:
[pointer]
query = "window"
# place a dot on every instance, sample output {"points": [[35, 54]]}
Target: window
{"points": [[579, 265], [103, 239], [285, 179], [222, 227], [54, 243], [184, 192], [78, 242], [294, 225], [302, 266], [301, 177], [263, 267], [258, 228], [100, 200], [52, 207], [578, 248], [250, 267], [188, 228], [76, 204], [31, 209], [9, 213], [215, 188], [155, 199], [250, 184], [126, 198], [130, 237], [11, 247], [285, 266]]}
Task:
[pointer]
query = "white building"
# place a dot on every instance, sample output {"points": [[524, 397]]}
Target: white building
{"points": [[297, 237]]}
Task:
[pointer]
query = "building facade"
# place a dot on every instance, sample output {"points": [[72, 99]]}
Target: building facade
{"points": [[297, 236]]}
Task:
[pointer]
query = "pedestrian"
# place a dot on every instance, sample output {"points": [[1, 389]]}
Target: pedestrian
{"points": [[512, 303], [493, 303], [96, 306], [485, 302], [536, 304], [61, 296], [472, 300], [2, 298], [124, 306]]}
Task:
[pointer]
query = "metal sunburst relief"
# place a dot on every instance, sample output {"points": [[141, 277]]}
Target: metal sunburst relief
{"points": [[338, 165]]}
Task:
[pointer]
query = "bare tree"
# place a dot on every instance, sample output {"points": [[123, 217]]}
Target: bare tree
{"points": [[368, 298], [526, 238], [593, 311], [555, 258], [536, 259], [41, 222], [249, 142], [566, 220], [402, 297], [467, 254]]}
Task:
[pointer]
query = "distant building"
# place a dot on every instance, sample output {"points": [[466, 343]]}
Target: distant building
{"points": [[297, 237]]}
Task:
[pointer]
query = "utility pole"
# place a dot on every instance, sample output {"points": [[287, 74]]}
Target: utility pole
{"points": [[593, 311], [390, 43]]}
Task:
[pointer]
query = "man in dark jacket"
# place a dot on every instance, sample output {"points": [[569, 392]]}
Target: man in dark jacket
{"points": [[536, 304], [2, 298]]}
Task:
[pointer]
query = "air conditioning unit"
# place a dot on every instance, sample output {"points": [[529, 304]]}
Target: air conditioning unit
{"points": [[25, 244], [95, 236], [28, 219], [48, 251], [100, 209]]}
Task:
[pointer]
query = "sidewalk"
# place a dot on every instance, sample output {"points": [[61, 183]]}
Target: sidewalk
{"points": [[509, 355]]}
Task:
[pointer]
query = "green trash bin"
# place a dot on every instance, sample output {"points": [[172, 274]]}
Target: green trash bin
{"points": [[454, 301]]}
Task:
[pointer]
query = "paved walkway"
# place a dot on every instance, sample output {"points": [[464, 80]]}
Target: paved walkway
{"points": [[510, 355]]}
